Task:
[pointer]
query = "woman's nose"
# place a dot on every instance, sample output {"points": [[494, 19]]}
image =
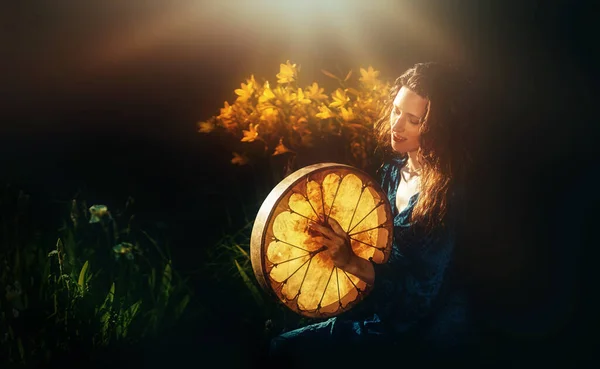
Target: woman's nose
{"points": [[397, 124]]}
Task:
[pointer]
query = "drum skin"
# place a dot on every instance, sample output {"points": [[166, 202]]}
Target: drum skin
{"points": [[289, 264]]}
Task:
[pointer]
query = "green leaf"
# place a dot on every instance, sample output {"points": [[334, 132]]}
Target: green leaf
{"points": [[132, 310], [182, 305], [255, 294], [21, 349], [127, 317], [17, 264], [109, 298], [106, 310], [152, 281], [166, 283], [81, 281], [55, 303], [105, 320], [242, 251], [155, 244]]}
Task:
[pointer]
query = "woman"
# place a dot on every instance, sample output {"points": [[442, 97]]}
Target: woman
{"points": [[416, 302]]}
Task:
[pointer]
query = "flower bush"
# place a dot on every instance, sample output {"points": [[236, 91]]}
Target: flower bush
{"points": [[284, 119]]}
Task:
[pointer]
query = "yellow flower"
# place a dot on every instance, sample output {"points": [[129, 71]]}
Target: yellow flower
{"points": [[205, 127], [269, 114], [227, 117], [251, 134], [300, 97], [283, 95], [245, 92], [377, 86], [230, 125], [347, 115], [252, 81], [241, 115], [287, 73], [239, 159], [267, 94], [281, 149], [324, 112], [315, 93], [365, 105], [339, 98], [226, 112], [300, 115], [369, 77]]}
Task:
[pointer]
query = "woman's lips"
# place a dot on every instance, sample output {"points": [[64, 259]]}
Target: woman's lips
{"points": [[398, 138]]}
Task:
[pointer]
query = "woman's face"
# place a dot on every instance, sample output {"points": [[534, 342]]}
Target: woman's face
{"points": [[405, 120]]}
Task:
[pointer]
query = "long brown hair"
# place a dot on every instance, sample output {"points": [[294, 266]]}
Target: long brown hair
{"points": [[442, 153]]}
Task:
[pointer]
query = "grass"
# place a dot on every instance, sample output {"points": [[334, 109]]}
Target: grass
{"points": [[231, 266], [103, 282], [95, 280]]}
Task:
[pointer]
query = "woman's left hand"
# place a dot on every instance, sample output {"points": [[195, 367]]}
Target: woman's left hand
{"points": [[337, 242]]}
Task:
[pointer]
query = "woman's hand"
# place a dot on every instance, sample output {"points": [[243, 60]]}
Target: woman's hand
{"points": [[338, 246], [337, 242]]}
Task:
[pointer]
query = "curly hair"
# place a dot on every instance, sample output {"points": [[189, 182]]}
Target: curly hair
{"points": [[442, 152]]}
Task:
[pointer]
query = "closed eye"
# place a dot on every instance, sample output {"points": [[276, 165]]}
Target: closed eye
{"points": [[412, 120]]}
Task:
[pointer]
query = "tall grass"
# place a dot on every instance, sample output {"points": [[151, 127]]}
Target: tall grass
{"points": [[229, 263], [98, 281], [231, 268]]}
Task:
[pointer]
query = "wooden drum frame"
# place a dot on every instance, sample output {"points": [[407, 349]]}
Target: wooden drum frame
{"points": [[286, 260]]}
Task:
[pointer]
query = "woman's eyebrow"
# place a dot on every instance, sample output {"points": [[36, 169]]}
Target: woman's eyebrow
{"points": [[405, 112]]}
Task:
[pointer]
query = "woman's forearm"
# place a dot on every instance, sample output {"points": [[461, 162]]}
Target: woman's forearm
{"points": [[361, 268]]}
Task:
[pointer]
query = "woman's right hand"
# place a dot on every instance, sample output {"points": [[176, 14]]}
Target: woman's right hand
{"points": [[336, 240]]}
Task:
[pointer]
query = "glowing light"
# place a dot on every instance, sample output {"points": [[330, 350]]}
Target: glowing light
{"points": [[292, 28]]}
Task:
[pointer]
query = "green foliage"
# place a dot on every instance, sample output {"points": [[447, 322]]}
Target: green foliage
{"points": [[231, 268], [88, 289], [249, 283]]}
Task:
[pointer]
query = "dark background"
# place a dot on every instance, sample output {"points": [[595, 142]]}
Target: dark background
{"points": [[104, 97]]}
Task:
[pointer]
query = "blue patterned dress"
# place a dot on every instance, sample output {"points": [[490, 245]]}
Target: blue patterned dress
{"points": [[414, 299]]}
